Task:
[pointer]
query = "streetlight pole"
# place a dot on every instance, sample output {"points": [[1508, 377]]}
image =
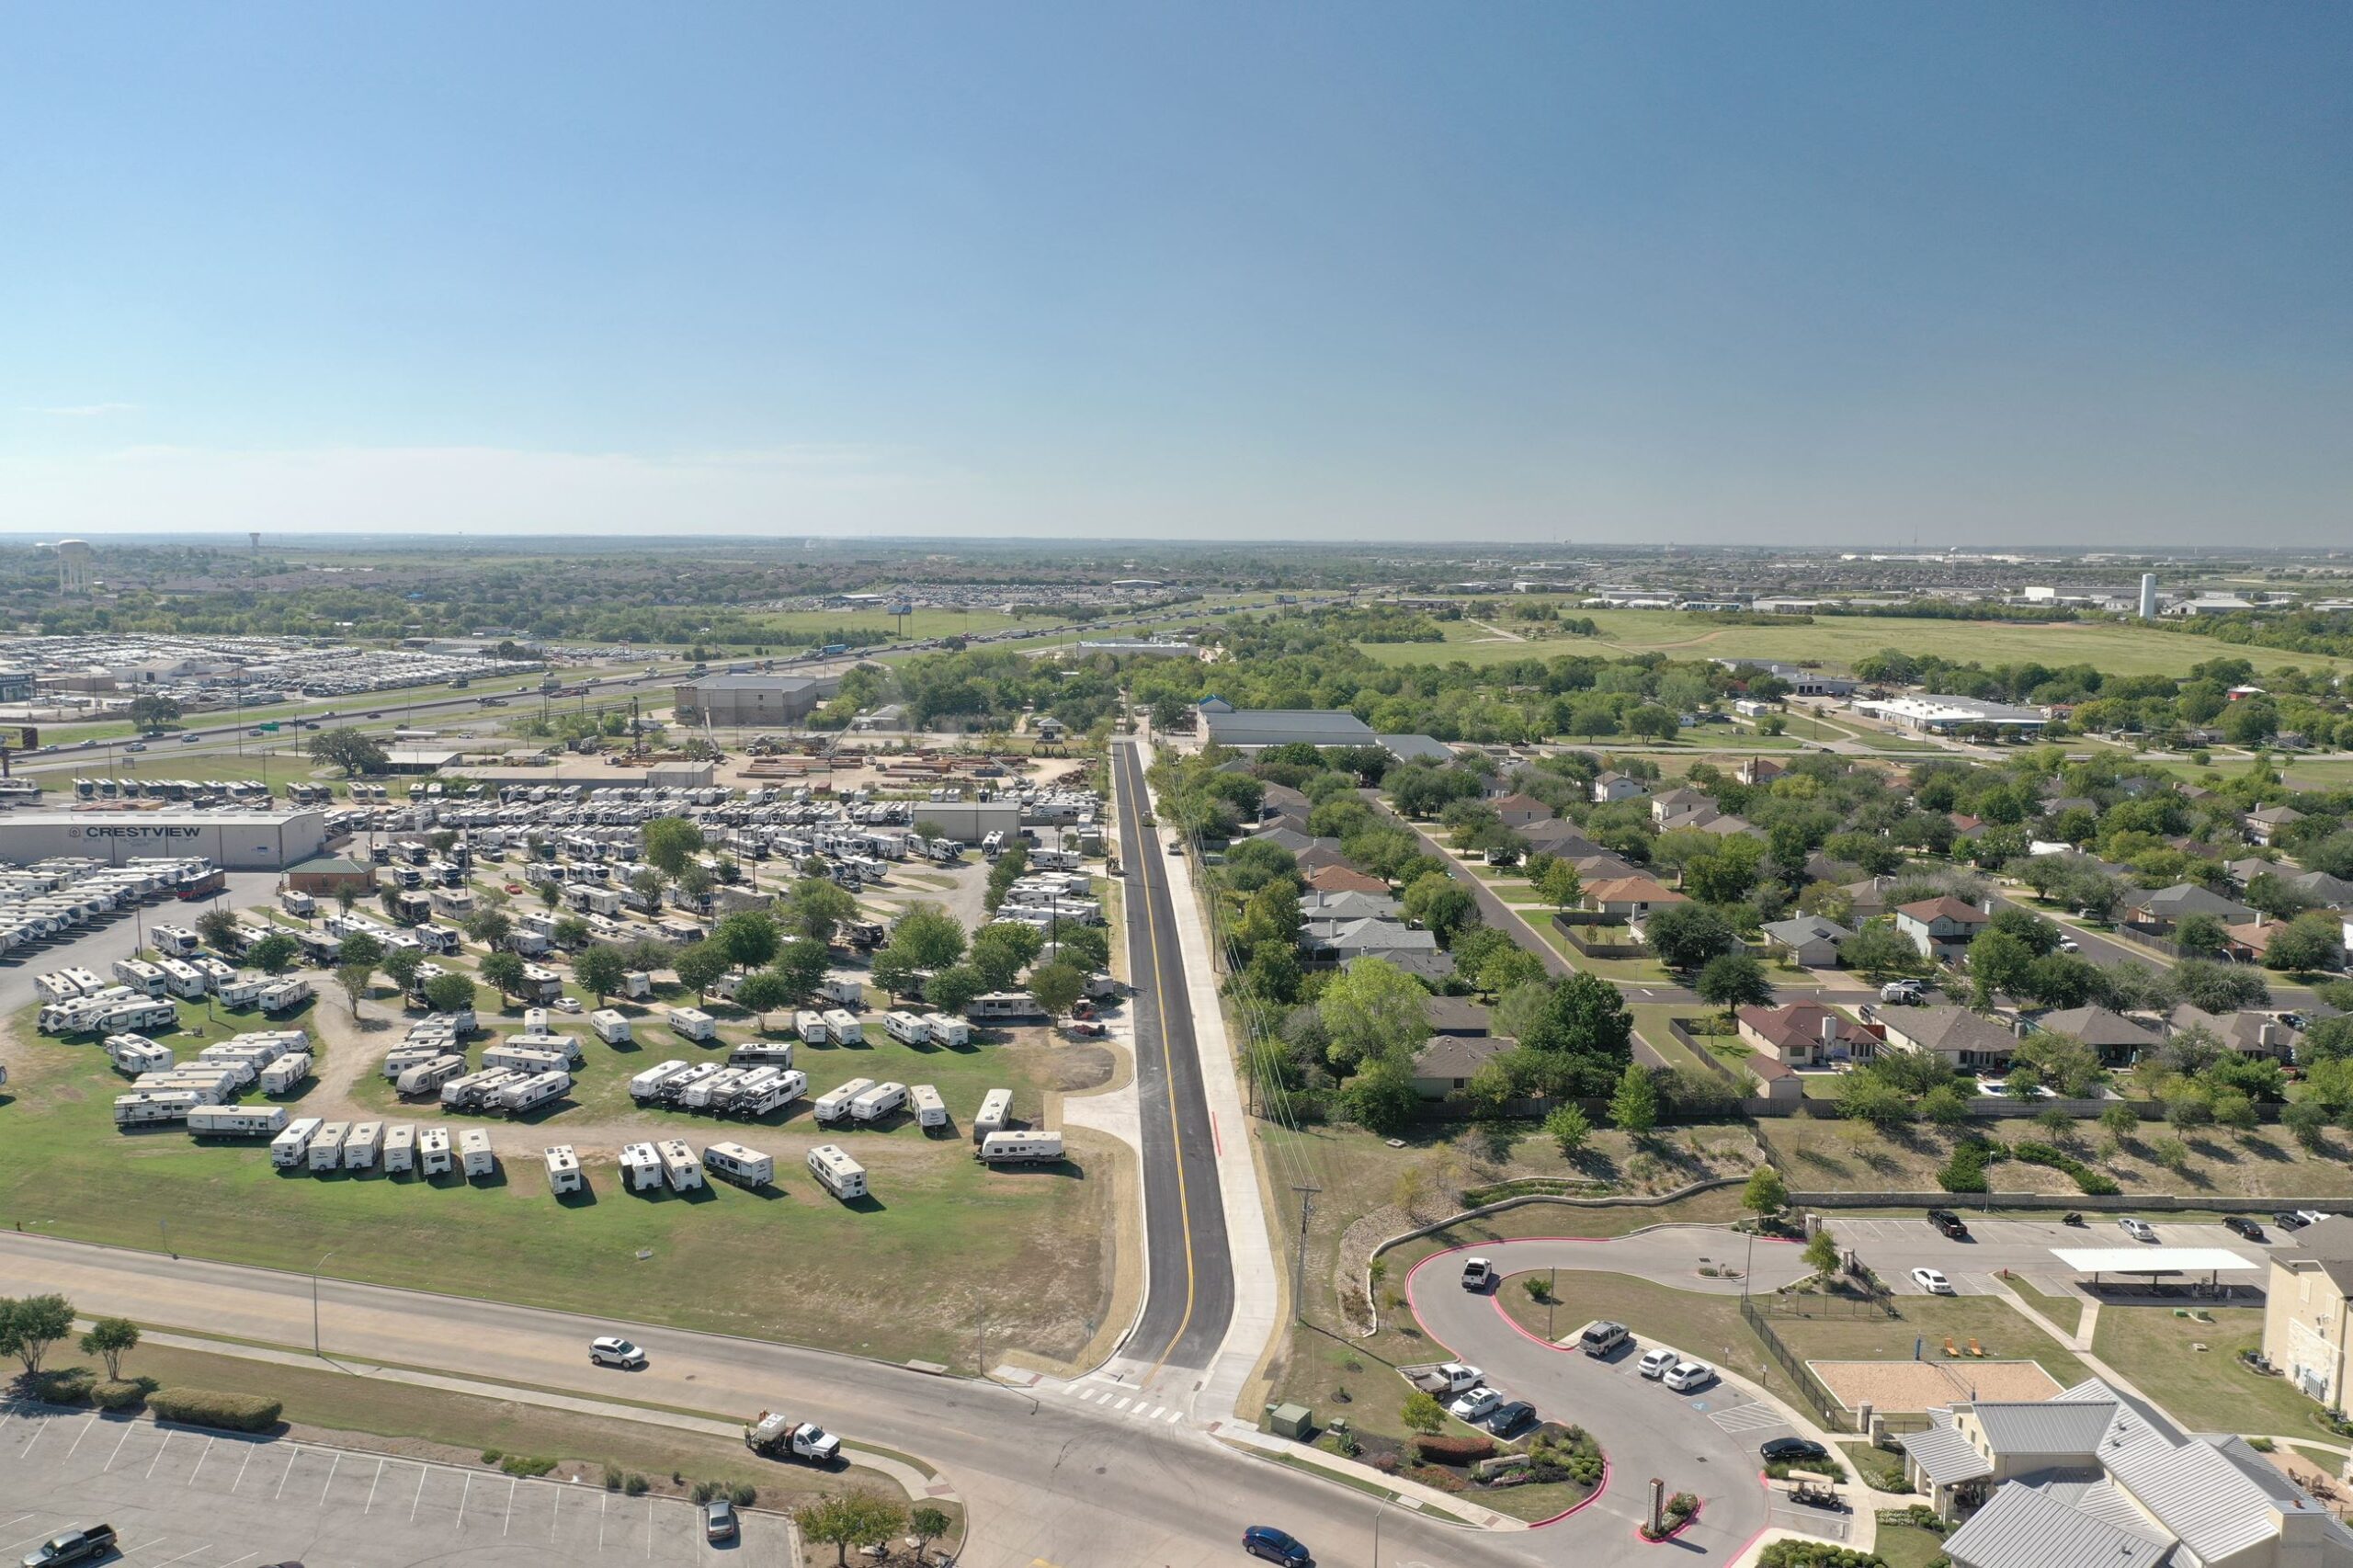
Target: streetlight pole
{"points": [[315, 1298]]}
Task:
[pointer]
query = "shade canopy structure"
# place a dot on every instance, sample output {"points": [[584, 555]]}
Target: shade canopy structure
{"points": [[2154, 1263]]}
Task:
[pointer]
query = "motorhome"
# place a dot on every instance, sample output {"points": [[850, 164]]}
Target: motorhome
{"points": [[833, 1105], [610, 1026], [679, 1167], [837, 1172], [326, 1149], [907, 1028], [1021, 1148], [877, 1102], [564, 1169], [433, 1150], [693, 1023], [996, 1110], [745, 1167], [475, 1155], [930, 1110], [290, 1146], [841, 1025], [641, 1167], [236, 1120], [400, 1147]]}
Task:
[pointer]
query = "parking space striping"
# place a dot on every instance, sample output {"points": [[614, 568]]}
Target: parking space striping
{"points": [[202, 1458], [509, 1523], [292, 1458], [191, 1552], [240, 1466], [335, 1464], [374, 1482], [159, 1456], [418, 1500]]}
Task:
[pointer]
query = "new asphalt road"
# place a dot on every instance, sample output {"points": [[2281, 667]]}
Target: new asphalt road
{"points": [[1190, 1286]]}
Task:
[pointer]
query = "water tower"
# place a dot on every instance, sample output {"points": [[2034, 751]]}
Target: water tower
{"points": [[73, 566]]}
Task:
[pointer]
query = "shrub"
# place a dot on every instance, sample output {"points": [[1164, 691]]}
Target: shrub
{"points": [[636, 1485], [743, 1495], [525, 1465], [701, 1493], [210, 1407], [64, 1385], [1817, 1554], [1454, 1451], [612, 1477], [120, 1395], [2087, 1179], [491, 1456]]}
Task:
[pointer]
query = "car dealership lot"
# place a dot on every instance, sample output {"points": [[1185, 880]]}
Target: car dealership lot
{"points": [[220, 1500]]}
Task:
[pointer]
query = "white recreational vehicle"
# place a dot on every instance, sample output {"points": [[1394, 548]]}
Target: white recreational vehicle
{"points": [[996, 1110], [809, 1026], [1021, 1148], [474, 1153], [834, 1104], [326, 1149], [843, 1026], [400, 1147], [360, 1149], [610, 1027], [745, 1167], [289, 1147], [877, 1102], [528, 1093], [907, 1028], [837, 1172], [679, 1167], [145, 1106], [649, 1085], [930, 1110], [693, 1023], [285, 1075], [433, 1150], [236, 1120], [641, 1167], [564, 1169]]}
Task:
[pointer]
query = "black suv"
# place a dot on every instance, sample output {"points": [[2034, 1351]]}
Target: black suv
{"points": [[1951, 1224]]}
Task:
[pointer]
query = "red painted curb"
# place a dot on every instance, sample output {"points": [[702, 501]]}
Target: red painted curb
{"points": [[1689, 1519]]}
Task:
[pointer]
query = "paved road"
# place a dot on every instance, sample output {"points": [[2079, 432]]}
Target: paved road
{"points": [[1057, 1479], [98, 944], [1704, 1442], [2109, 951], [1189, 1285], [203, 1500]]}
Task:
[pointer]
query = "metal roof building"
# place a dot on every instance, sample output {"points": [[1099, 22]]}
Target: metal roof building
{"points": [[237, 840], [1252, 729]]}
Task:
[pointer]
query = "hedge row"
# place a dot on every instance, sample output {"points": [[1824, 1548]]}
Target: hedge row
{"points": [[1817, 1554], [210, 1407], [2087, 1179]]}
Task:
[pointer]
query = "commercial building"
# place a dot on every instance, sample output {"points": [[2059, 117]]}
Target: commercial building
{"points": [[1942, 715], [967, 822], [1254, 729], [753, 701], [323, 876], [2305, 1309], [238, 840]]}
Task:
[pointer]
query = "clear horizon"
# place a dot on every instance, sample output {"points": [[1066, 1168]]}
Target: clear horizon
{"points": [[1829, 276]]}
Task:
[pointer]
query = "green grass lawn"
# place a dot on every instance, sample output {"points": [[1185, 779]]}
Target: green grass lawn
{"points": [[790, 1263], [1908, 1546], [2067, 1311], [922, 624], [2209, 1390]]}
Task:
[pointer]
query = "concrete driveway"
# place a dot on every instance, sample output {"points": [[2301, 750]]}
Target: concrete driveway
{"points": [[1703, 1442]]}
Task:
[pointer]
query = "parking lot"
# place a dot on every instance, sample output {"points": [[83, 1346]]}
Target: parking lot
{"points": [[208, 1500], [1894, 1247]]}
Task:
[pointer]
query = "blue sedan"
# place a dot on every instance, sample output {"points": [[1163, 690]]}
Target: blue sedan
{"points": [[1265, 1541]]}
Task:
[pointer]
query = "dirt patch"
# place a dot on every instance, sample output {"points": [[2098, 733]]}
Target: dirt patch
{"points": [[1910, 1386], [1072, 1069]]}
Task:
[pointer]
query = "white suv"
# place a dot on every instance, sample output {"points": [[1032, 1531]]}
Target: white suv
{"points": [[612, 1351]]}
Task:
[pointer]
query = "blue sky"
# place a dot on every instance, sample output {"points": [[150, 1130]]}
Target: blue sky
{"points": [[1807, 273]]}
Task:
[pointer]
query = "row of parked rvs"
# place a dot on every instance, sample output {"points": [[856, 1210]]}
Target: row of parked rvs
{"points": [[313, 1144], [746, 1091], [49, 898]]}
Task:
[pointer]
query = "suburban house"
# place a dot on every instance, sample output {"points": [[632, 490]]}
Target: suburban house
{"points": [[1608, 787], [2249, 1034], [1630, 898], [2304, 1315], [1282, 801], [1941, 928], [1805, 1034], [1435, 965], [2119, 1040], [1448, 1062], [1254, 729], [2159, 912], [2265, 825], [1808, 940], [1522, 810], [1455, 1015], [1758, 770], [1342, 879], [1562, 839], [1338, 941], [1963, 1038], [2097, 1476], [1668, 810], [1329, 907]]}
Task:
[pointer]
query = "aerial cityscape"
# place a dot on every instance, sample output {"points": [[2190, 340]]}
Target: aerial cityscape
{"points": [[1125, 789]]}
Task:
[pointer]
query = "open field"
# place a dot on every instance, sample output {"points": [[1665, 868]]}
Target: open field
{"points": [[1034, 1248], [2207, 1389], [1838, 640], [920, 624]]}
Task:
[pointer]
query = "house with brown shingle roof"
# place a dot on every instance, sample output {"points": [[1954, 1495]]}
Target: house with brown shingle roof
{"points": [[1520, 810], [1941, 928], [1630, 898], [1343, 878], [1805, 1034]]}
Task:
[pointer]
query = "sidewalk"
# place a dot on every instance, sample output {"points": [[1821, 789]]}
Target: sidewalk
{"points": [[1256, 1296]]}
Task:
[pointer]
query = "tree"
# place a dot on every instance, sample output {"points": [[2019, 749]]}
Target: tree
{"points": [[1056, 985], [1733, 981], [1569, 1128], [2219, 987], [929, 936], [1382, 1098], [2201, 936], [816, 909], [600, 970], [670, 844], [953, 988], [801, 965], [551, 894], [927, 1524], [354, 979], [454, 993], [1685, 935], [764, 992], [31, 1326], [896, 972], [1880, 951], [153, 710], [1003, 950], [218, 929], [1441, 904], [1512, 966], [856, 1517], [354, 751], [1822, 1253], [1089, 946], [2309, 941], [274, 954], [504, 970], [359, 947], [1561, 886], [490, 926], [110, 1339], [646, 882], [399, 965], [1998, 962], [1635, 1107], [2120, 1121], [1944, 1105], [1422, 1413], [700, 965], [570, 933], [1489, 1092], [1765, 1192], [1373, 1008]]}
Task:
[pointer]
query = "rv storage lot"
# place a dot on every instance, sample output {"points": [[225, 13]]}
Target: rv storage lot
{"points": [[898, 1277]]}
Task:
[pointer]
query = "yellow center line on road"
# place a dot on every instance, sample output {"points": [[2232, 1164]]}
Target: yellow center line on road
{"points": [[1131, 800]]}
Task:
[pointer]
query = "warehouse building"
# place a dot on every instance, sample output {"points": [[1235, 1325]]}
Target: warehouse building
{"points": [[1254, 729], [753, 701], [968, 822], [238, 840]]}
